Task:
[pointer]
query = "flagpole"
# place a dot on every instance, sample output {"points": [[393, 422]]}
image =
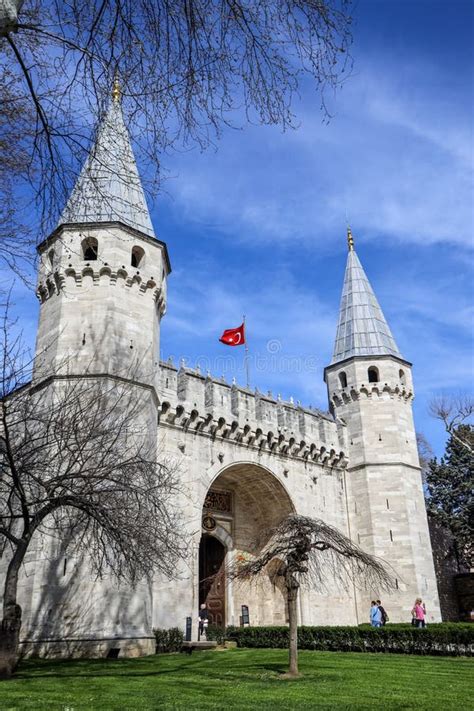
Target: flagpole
{"points": [[246, 357]]}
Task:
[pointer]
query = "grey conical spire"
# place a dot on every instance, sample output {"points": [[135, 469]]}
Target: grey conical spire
{"points": [[108, 188], [362, 329]]}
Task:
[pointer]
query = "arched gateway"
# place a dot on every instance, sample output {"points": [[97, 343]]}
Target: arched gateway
{"points": [[242, 504], [102, 285]]}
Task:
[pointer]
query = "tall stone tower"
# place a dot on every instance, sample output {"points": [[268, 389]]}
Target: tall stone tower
{"points": [[370, 389], [102, 274], [102, 290]]}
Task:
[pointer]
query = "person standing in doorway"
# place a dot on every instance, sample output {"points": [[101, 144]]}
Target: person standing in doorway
{"points": [[375, 615], [419, 613], [203, 620], [384, 616]]}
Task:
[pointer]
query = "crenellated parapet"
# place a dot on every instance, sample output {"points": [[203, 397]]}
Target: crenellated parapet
{"points": [[371, 390], [211, 407], [54, 282]]}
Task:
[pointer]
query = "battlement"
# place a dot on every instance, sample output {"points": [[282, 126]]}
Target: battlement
{"points": [[371, 390], [369, 377], [211, 405], [57, 281], [102, 255]]}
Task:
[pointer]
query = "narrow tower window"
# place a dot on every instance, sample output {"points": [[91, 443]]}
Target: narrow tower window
{"points": [[401, 375], [90, 248], [373, 374], [51, 257], [343, 379], [137, 257]]}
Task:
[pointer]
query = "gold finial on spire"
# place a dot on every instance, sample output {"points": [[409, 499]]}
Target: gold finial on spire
{"points": [[350, 239], [116, 90]]}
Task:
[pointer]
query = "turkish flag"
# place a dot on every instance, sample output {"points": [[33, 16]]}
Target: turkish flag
{"points": [[233, 336]]}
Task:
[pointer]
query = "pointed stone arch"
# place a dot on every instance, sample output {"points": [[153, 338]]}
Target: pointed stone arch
{"points": [[259, 487], [244, 502]]}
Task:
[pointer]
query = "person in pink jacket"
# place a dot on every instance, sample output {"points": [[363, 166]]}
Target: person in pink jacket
{"points": [[419, 613]]}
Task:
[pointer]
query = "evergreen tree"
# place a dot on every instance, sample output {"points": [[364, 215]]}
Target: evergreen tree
{"points": [[450, 499]]}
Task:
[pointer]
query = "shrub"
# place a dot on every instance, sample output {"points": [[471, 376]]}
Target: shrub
{"points": [[450, 639], [217, 634], [168, 640]]}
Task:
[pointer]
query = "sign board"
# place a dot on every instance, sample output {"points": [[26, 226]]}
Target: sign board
{"points": [[189, 624]]}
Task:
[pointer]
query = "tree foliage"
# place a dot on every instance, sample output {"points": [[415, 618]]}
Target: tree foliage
{"points": [[450, 486]]}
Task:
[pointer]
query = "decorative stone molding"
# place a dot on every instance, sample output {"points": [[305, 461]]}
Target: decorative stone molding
{"points": [[55, 282], [219, 429], [371, 390]]}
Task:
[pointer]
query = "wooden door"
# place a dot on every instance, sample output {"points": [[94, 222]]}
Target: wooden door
{"points": [[212, 578]]}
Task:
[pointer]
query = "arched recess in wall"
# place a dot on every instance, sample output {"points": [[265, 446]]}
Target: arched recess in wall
{"points": [[249, 501], [373, 374], [343, 379], [253, 487], [90, 249], [138, 257], [401, 376]]}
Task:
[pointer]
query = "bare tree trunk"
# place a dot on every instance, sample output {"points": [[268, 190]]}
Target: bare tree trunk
{"points": [[11, 622], [292, 588]]}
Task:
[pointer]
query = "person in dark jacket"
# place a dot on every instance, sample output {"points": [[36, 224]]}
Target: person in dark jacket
{"points": [[384, 618]]}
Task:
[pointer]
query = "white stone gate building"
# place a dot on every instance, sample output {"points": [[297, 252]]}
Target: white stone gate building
{"points": [[246, 459]]}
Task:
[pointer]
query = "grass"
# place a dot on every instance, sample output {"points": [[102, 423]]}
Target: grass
{"points": [[242, 679]]}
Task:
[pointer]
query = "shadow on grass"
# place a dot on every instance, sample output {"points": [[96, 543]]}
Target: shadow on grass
{"points": [[39, 668], [215, 668]]}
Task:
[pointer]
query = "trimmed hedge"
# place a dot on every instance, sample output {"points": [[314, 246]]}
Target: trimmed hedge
{"points": [[449, 639], [217, 634], [168, 640]]}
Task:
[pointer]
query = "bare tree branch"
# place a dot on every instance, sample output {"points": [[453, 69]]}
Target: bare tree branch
{"points": [[453, 411], [304, 550], [188, 69], [79, 462]]}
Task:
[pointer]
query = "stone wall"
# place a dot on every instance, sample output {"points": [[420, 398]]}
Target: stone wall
{"points": [[273, 457]]}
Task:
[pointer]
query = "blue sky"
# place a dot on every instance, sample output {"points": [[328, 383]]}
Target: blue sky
{"points": [[257, 226]]}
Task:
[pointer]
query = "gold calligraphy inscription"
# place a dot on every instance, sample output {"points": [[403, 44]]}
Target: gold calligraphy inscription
{"points": [[218, 501]]}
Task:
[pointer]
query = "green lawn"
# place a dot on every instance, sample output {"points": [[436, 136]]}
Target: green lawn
{"points": [[243, 679]]}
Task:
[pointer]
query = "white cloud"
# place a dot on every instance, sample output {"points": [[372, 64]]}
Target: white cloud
{"points": [[397, 161]]}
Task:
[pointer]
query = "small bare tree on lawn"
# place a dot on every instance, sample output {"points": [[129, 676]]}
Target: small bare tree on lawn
{"points": [[77, 461], [310, 551]]}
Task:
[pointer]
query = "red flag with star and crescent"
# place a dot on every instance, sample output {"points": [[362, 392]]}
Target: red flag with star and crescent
{"points": [[234, 336]]}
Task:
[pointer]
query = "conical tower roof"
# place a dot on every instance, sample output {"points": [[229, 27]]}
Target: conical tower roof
{"points": [[108, 188], [362, 329]]}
